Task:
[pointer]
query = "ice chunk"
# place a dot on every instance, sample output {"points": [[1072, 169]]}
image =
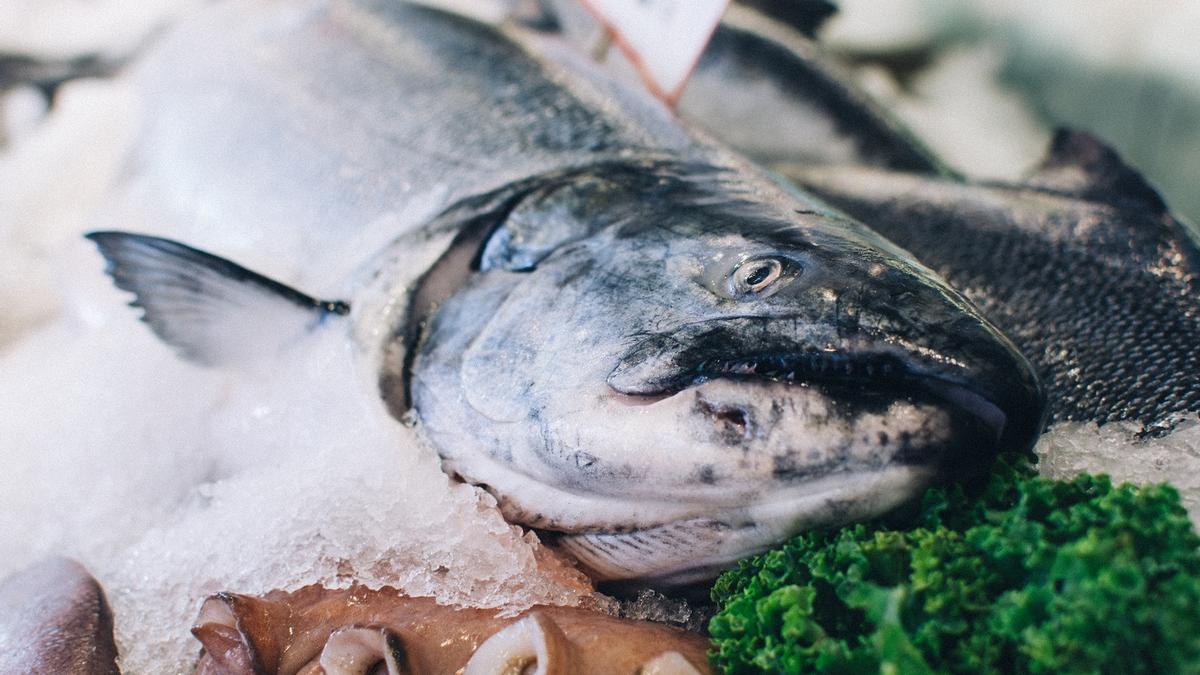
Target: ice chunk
{"points": [[649, 605], [1071, 448]]}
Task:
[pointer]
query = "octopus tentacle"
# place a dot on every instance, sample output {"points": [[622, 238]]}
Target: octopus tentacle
{"points": [[54, 618], [359, 631], [359, 650], [533, 642], [668, 663], [237, 632]]}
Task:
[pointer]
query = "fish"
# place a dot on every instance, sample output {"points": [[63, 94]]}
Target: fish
{"points": [[1081, 263], [765, 86], [650, 351]]}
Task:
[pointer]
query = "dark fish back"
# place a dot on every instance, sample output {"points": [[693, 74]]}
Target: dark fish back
{"points": [[812, 111], [1103, 298]]}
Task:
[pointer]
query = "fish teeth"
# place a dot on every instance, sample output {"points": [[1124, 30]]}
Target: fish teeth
{"points": [[795, 367]]}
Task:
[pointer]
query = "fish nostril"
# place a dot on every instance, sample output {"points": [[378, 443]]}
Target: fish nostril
{"points": [[732, 423], [734, 418]]}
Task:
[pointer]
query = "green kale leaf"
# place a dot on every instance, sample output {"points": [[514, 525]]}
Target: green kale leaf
{"points": [[1023, 575]]}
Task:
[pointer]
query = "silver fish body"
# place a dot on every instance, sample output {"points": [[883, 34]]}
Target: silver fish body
{"points": [[644, 346]]}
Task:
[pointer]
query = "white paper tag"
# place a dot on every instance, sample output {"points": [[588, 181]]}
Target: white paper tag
{"points": [[663, 38]]}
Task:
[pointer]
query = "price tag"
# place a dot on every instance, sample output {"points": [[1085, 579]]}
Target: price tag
{"points": [[663, 38]]}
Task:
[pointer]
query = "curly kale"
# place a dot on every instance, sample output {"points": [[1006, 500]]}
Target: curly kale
{"points": [[1030, 575]]}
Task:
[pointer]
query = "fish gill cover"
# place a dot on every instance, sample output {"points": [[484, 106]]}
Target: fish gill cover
{"points": [[1028, 575]]}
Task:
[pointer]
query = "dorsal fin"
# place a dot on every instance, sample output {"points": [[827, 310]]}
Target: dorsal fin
{"points": [[804, 16], [1080, 164], [212, 311]]}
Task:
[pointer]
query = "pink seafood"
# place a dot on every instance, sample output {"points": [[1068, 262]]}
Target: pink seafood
{"points": [[360, 631]]}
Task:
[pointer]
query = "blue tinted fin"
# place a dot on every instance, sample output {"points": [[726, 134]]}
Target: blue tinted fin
{"points": [[212, 311]]}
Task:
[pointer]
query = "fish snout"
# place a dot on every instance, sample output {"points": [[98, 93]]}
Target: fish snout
{"points": [[981, 374], [945, 349], [944, 390]]}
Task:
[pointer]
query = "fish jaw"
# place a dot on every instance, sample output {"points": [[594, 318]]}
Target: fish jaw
{"points": [[711, 499], [686, 552], [703, 500], [794, 458]]}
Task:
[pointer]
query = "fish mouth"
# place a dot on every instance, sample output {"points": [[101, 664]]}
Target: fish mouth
{"points": [[996, 404], [883, 375]]}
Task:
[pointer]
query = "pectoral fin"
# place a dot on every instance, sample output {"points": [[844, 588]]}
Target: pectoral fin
{"points": [[212, 311]]}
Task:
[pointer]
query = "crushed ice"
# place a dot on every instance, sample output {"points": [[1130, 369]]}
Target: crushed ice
{"points": [[172, 482], [1118, 450]]}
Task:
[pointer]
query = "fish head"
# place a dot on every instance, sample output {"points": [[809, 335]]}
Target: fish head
{"points": [[709, 372]]}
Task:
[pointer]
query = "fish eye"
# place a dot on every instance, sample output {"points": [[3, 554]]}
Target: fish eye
{"points": [[755, 276]]}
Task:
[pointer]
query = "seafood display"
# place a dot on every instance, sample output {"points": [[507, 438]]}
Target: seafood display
{"points": [[54, 618], [648, 341], [1081, 264], [1099, 284]]}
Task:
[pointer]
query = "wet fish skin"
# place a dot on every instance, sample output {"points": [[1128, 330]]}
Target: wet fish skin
{"points": [[762, 70], [327, 129], [623, 377], [632, 337], [776, 95]]}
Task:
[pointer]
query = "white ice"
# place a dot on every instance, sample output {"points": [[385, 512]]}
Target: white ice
{"points": [[1072, 448], [171, 482]]}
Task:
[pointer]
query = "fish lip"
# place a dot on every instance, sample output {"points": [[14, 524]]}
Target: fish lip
{"points": [[809, 366], [805, 367], [840, 373]]}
